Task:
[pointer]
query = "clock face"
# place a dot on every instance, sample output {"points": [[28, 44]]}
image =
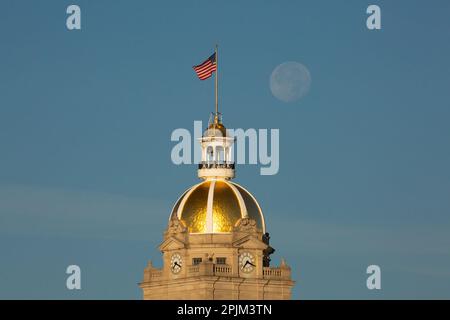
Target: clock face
{"points": [[246, 262], [176, 263]]}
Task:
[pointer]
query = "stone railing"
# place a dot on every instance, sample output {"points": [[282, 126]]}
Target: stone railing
{"points": [[152, 274], [216, 165], [209, 269], [193, 269], [271, 272], [156, 273], [222, 270], [276, 273]]}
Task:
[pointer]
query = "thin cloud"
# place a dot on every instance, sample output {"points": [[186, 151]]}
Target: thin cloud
{"points": [[319, 236], [31, 210]]}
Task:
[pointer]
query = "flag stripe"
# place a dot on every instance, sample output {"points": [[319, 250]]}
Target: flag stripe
{"points": [[206, 74], [202, 68], [209, 70], [206, 68], [204, 64]]}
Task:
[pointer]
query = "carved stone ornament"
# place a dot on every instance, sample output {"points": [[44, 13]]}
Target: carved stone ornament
{"points": [[176, 226], [246, 225]]}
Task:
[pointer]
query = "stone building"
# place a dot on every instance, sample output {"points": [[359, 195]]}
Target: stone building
{"points": [[216, 245]]}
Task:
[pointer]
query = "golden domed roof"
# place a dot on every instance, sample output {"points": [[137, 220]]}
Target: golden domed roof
{"points": [[215, 129], [215, 206]]}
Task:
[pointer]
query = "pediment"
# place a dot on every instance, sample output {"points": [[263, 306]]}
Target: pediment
{"points": [[172, 243], [249, 242]]}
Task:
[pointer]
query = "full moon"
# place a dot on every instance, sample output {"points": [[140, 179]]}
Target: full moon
{"points": [[290, 81]]}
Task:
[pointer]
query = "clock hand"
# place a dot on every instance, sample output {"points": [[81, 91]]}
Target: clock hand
{"points": [[251, 264]]}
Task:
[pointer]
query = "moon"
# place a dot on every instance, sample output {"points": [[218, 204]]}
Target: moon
{"points": [[290, 81]]}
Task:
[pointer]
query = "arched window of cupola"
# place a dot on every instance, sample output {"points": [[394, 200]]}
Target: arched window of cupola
{"points": [[227, 154], [220, 154], [209, 154]]}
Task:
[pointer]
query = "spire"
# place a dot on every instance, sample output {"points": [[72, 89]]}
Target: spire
{"points": [[217, 79]]}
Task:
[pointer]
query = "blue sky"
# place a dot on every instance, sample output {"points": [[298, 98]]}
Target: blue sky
{"points": [[86, 117]]}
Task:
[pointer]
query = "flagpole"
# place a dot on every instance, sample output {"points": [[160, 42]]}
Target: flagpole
{"points": [[217, 80]]}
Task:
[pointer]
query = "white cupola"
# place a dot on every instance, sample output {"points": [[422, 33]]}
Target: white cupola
{"points": [[216, 147]]}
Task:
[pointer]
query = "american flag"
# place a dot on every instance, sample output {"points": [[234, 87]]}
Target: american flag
{"points": [[206, 68]]}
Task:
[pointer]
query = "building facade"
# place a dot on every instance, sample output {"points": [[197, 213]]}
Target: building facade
{"points": [[216, 245]]}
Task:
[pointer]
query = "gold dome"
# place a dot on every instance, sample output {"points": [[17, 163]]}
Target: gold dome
{"points": [[215, 206], [215, 129]]}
